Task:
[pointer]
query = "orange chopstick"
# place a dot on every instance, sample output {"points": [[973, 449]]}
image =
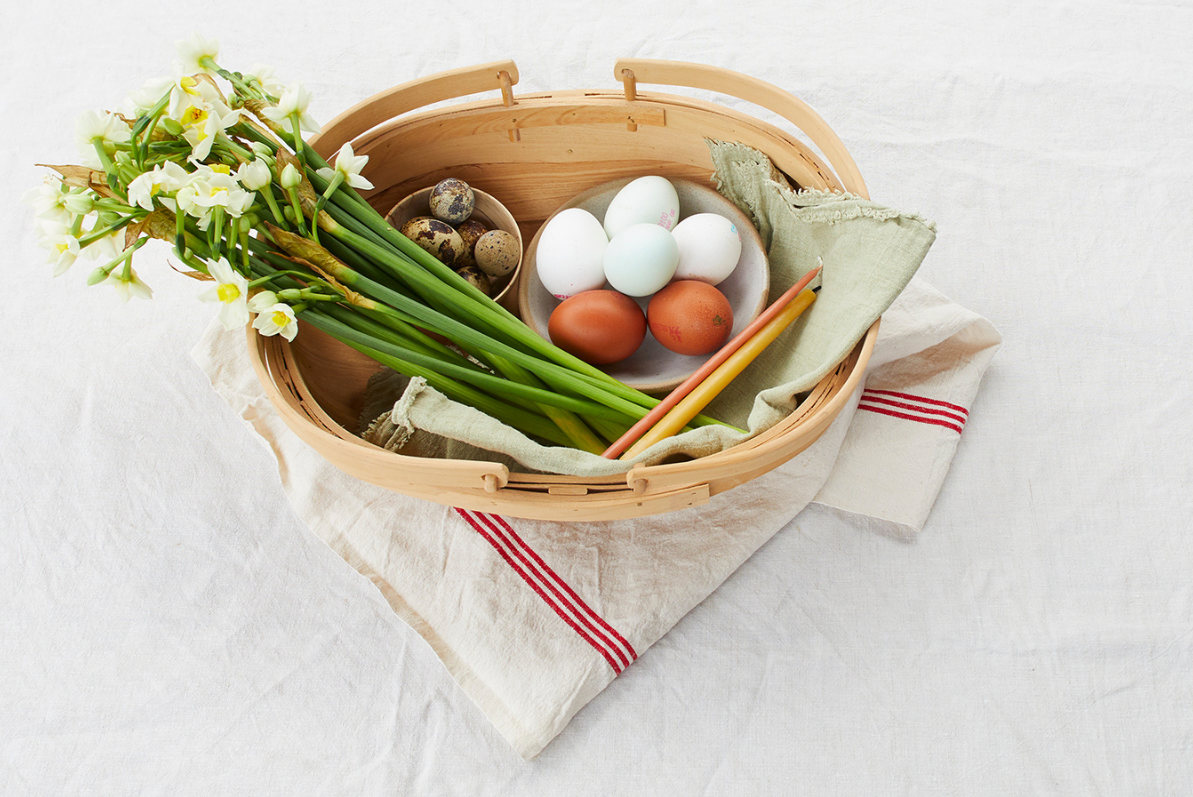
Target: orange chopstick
{"points": [[690, 384], [706, 391]]}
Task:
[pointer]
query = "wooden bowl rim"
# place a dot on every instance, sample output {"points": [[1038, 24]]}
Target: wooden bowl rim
{"points": [[527, 282], [508, 224]]}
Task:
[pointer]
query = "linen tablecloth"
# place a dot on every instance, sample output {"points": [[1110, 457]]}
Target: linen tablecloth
{"points": [[535, 618], [169, 624]]}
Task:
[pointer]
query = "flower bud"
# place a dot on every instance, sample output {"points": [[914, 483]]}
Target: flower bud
{"points": [[290, 177], [260, 302], [254, 176], [79, 204]]}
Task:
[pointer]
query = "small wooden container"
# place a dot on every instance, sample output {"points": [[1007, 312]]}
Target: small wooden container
{"points": [[535, 152], [489, 212]]}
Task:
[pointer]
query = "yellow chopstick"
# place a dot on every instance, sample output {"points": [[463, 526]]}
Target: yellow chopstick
{"points": [[688, 385], [691, 405]]}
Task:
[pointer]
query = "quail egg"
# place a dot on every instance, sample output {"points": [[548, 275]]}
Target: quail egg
{"points": [[470, 230], [452, 200], [436, 237], [497, 253], [478, 279]]}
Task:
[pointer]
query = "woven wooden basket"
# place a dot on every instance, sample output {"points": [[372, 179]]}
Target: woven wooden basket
{"points": [[534, 152]]}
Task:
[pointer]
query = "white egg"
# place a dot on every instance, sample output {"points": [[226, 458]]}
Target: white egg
{"points": [[570, 254], [709, 248], [647, 200], [641, 259]]}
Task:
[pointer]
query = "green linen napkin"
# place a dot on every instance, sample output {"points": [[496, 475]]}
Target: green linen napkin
{"points": [[869, 253]]}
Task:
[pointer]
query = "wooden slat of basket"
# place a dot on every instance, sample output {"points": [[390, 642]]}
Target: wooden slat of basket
{"points": [[750, 89], [594, 506], [350, 453], [409, 96], [771, 448], [547, 157]]}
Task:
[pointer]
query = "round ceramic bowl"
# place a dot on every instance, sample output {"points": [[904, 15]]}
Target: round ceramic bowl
{"points": [[487, 210], [653, 368]]}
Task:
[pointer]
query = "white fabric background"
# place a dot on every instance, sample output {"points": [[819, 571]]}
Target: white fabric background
{"points": [[168, 626]]}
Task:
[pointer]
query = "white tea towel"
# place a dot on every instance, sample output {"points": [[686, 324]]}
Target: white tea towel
{"points": [[921, 380], [532, 618]]}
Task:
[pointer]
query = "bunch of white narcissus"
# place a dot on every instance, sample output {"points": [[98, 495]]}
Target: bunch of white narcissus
{"points": [[214, 163], [185, 151]]}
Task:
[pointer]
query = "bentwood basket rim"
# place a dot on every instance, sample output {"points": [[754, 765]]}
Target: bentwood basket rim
{"points": [[643, 490]]}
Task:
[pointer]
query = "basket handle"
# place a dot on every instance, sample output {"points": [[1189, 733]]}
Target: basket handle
{"points": [[385, 105], [711, 78]]}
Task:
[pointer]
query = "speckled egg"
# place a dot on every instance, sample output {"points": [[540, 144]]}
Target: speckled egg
{"points": [[478, 279], [497, 253], [452, 200], [470, 230], [435, 236]]}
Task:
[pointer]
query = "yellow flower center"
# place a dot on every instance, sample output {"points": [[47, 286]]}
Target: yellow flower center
{"points": [[189, 85], [222, 168], [227, 293], [193, 117], [280, 318]]}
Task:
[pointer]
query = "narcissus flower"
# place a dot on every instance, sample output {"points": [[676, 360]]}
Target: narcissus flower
{"points": [[104, 128], [161, 181], [265, 77], [128, 286], [277, 319], [348, 164], [192, 51], [203, 116], [231, 290], [207, 189], [49, 201], [294, 102], [63, 247]]}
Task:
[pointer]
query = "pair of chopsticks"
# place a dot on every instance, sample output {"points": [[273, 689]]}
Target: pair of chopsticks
{"points": [[685, 402]]}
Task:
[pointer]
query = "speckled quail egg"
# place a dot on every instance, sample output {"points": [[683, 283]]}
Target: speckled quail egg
{"points": [[452, 200], [477, 278], [470, 230], [436, 236], [497, 253]]}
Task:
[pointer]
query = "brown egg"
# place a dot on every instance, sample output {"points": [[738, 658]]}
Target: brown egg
{"points": [[690, 317], [436, 237], [497, 253], [452, 200], [599, 327], [470, 231]]}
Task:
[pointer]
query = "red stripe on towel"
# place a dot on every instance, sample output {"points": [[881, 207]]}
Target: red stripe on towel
{"points": [[559, 589], [935, 421], [951, 415], [575, 599], [546, 584], [909, 396]]}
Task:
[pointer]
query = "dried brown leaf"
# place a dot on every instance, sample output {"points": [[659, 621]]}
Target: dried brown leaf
{"points": [[133, 231], [195, 275], [74, 176]]}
